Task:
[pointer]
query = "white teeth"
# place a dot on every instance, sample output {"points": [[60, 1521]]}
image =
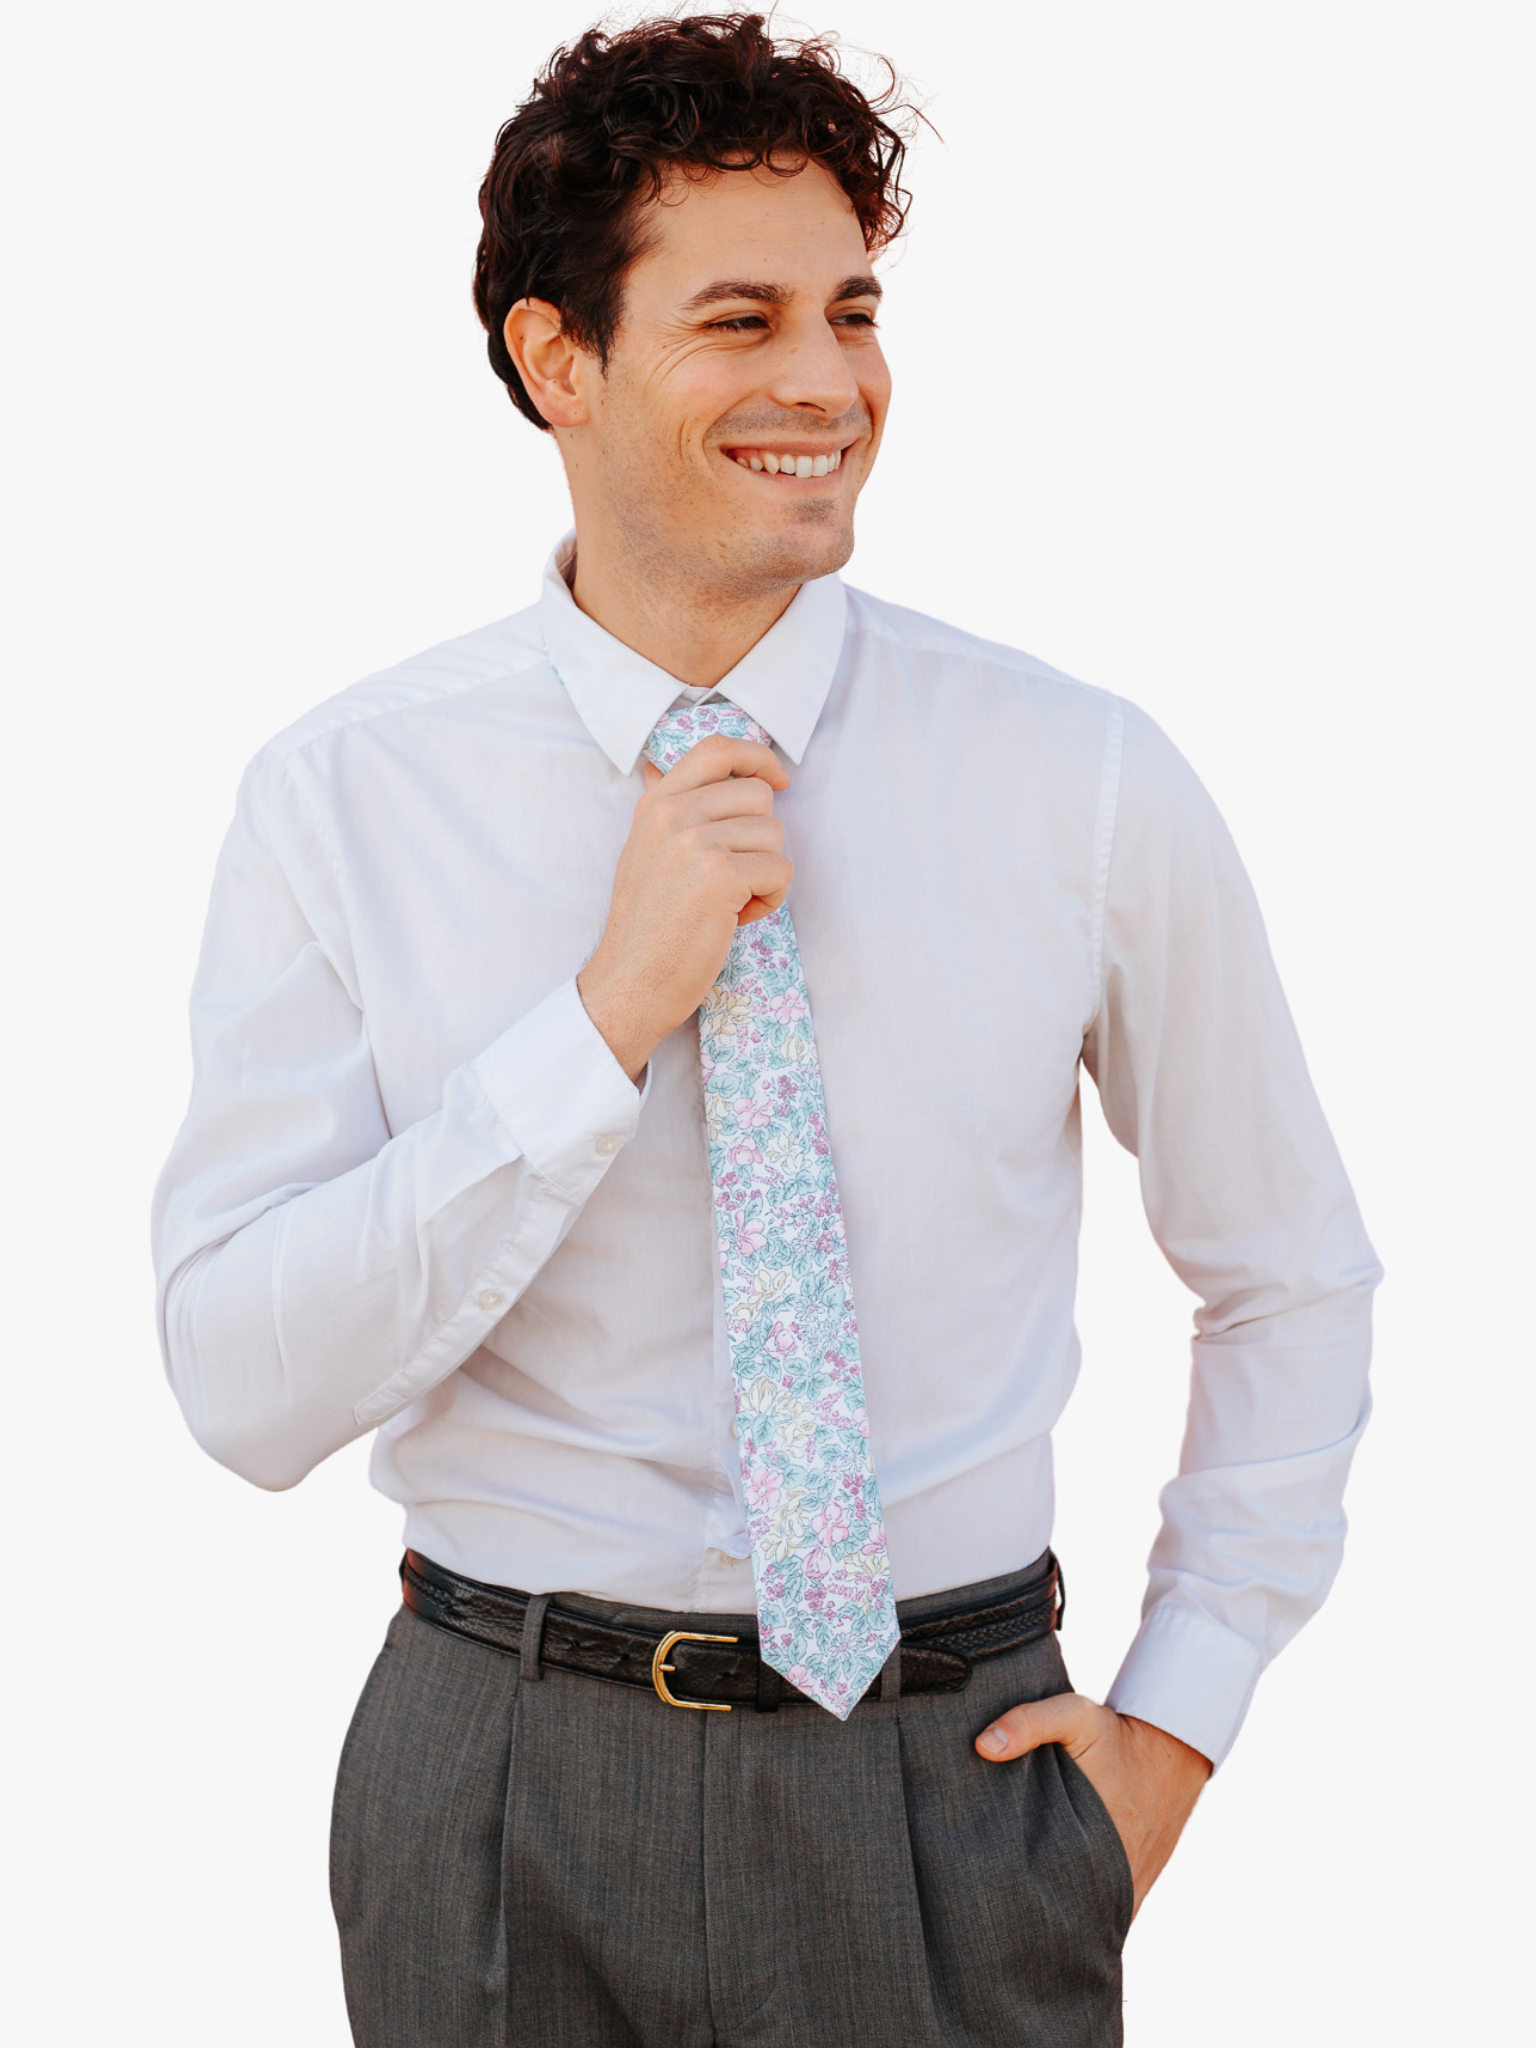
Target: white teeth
{"points": [[763, 459]]}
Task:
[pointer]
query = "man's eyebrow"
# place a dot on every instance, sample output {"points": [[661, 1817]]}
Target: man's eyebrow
{"points": [[773, 294], [738, 288]]}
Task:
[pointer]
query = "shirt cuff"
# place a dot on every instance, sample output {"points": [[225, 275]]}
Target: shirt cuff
{"points": [[1189, 1676], [560, 1094]]}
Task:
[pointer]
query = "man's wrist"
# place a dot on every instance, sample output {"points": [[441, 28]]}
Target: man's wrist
{"points": [[1181, 1757], [614, 1017]]}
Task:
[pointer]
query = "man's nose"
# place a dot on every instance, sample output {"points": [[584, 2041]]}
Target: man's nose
{"points": [[812, 370]]}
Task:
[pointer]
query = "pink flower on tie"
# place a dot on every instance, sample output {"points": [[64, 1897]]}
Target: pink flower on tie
{"points": [[831, 1524], [752, 1115], [782, 1339], [789, 1007], [819, 1563], [764, 1489], [750, 1238]]}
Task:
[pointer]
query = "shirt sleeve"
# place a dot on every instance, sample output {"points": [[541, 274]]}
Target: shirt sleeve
{"points": [[1202, 1078], [318, 1271]]}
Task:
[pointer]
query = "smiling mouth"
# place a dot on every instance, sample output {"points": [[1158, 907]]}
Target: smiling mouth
{"points": [[786, 462]]}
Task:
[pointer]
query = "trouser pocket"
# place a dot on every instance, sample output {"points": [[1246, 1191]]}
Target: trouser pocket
{"points": [[1022, 1880]]}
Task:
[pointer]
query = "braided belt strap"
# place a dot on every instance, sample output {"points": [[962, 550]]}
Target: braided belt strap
{"points": [[936, 1652]]}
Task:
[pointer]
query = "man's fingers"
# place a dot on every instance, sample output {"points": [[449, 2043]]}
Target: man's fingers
{"points": [[738, 796], [760, 907], [748, 834], [766, 874], [712, 760], [1067, 1718]]}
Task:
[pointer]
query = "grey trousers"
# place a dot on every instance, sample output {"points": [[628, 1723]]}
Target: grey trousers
{"points": [[573, 1864]]}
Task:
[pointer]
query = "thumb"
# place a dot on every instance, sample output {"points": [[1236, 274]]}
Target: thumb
{"points": [[1067, 1718]]}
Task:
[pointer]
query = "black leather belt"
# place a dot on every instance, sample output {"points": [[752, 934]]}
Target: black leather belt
{"points": [[719, 1672]]}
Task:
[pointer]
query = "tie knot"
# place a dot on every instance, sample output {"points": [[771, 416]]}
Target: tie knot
{"points": [[681, 730]]}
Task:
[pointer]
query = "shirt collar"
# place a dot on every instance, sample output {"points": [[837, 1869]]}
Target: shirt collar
{"points": [[782, 682]]}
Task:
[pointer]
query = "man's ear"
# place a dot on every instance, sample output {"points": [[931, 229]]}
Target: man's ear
{"points": [[548, 361]]}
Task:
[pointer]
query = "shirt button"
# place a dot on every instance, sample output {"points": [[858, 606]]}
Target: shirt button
{"points": [[608, 1146], [490, 1299], [735, 1428]]}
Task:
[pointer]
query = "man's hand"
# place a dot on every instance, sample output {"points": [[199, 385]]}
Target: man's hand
{"points": [[704, 855], [1148, 1780]]}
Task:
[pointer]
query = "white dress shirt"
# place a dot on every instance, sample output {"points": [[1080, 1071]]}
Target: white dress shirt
{"points": [[416, 1194]]}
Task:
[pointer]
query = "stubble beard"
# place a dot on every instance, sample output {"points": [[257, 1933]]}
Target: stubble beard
{"points": [[760, 560], [722, 569]]}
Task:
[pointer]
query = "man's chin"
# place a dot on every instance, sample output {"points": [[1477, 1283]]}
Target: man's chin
{"points": [[818, 543]]}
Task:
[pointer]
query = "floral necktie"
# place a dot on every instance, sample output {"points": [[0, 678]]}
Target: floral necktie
{"points": [[826, 1611]]}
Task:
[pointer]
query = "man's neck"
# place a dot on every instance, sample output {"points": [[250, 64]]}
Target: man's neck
{"points": [[688, 629]]}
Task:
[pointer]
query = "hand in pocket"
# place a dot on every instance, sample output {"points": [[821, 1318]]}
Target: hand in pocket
{"points": [[1148, 1780]]}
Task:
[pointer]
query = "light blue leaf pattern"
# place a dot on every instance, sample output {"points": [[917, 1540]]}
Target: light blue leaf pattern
{"points": [[826, 1611]]}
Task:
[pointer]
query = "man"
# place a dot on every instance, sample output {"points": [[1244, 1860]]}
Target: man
{"points": [[549, 1123]]}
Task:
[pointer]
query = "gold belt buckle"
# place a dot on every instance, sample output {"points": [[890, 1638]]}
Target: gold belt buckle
{"points": [[685, 1635]]}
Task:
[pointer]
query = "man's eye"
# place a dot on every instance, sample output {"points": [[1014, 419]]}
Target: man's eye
{"points": [[739, 324], [855, 320]]}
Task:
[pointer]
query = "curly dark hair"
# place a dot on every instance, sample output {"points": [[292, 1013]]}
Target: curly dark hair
{"points": [[611, 116]]}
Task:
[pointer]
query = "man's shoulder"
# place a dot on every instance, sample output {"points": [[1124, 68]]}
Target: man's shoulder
{"points": [[433, 680], [919, 633]]}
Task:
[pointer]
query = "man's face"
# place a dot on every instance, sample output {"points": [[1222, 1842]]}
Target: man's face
{"points": [[746, 355]]}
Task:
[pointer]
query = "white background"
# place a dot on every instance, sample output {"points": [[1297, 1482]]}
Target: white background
{"points": [[1213, 347]]}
